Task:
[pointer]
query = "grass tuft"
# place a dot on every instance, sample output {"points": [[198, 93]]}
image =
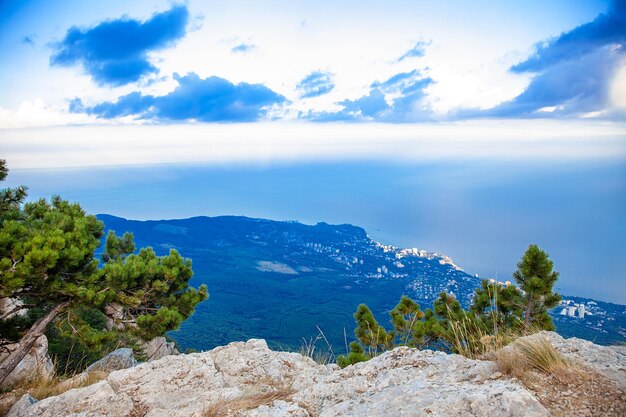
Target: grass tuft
{"points": [[256, 397], [539, 354]]}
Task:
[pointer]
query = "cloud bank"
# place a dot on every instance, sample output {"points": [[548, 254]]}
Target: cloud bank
{"points": [[264, 143], [115, 52], [211, 99]]}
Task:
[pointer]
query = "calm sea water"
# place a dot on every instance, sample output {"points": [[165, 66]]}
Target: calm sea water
{"points": [[482, 214]]}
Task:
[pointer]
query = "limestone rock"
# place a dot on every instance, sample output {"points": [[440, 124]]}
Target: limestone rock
{"points": [[118, 359], [21, 405], [95, 400], [401, 382], [159, 347], [249, 380], [35, 364]]}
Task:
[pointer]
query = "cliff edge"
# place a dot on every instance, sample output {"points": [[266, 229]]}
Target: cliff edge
{"points": [[248, 379]]}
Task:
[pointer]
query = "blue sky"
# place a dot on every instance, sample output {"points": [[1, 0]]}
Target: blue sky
{"points": [[72, 62]]}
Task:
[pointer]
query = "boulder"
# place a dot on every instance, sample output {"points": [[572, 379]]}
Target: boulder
{"points": [[21, 405], [158, 348], [118, 359], [36, 363]]}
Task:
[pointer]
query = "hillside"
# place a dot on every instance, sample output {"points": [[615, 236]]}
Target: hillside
{"points": [[280, 281]]}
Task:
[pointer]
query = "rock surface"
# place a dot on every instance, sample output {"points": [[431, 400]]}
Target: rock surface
{"points": [[118, 359], [248, 379], [21, 404], [159, 347], [11, 307], [35, 364]]}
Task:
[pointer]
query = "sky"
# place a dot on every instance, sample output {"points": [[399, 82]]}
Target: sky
{"points": [[71, 62], [501, 104]]}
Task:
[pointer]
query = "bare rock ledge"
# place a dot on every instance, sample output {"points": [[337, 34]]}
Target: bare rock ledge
{"points": [[402, 382]]}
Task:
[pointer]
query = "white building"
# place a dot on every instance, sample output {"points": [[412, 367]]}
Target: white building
{"points": [[581, 311], [571, 311]]}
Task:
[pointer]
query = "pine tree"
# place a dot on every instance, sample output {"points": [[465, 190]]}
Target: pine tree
{"points": [[405, 318], [498, 305], [47, 260], [536, 278], [370, 333]]}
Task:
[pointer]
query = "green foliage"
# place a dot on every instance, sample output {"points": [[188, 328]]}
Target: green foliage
{"points": [[411, 327], [47, 249], [153, 290], [10, 198], [72, 352], [47, 260], [357, 354], [404, 318], [536, 278], [498, 314], [497, 304], [117, 248], [370, 333]]}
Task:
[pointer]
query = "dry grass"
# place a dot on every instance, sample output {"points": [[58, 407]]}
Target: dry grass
{"points": [[254, 398], [309, 349], [41, 387], [511, 362], [539, 354], [473, 339], [563, 387]]}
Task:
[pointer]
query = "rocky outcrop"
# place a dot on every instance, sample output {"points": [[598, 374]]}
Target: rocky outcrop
{"points": [[118, 359], [159, 347], [248, 379], [36, 363]]}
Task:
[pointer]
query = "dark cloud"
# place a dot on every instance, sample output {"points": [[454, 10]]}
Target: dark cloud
{"points": [[572, 72], [606, 29], [115, 52], [415, 52], [397, 99], [243, 48], [212, 99], [568, 88], [316, 84]]}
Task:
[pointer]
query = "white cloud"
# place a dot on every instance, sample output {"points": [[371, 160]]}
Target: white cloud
{"points": [[36, 113]]}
